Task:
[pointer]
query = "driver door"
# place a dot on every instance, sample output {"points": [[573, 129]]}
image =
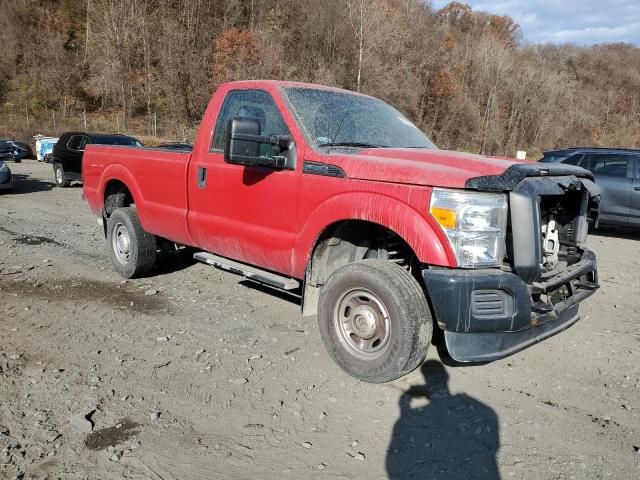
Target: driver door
{"points": [[247, 213]]}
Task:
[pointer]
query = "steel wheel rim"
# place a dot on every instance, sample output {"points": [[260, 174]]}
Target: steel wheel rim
{"points": [[59, 175], [362, 323], [121, 243]]}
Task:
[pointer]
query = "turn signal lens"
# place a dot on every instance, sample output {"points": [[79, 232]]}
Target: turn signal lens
{"points": [[445, 217]]}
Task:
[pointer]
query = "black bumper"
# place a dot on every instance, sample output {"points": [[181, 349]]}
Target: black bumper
{"points": [[490, 314]]}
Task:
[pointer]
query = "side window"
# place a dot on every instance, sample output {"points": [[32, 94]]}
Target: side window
{"points": [[574, 159], [75, 142], [611, 164], [252, 104]]}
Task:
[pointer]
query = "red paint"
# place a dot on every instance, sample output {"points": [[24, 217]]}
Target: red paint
{"points": [[273, 218]]}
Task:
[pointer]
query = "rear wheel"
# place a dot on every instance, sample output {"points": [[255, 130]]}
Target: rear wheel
{"points": [[61, 179], [374, 320], [131, 249]]}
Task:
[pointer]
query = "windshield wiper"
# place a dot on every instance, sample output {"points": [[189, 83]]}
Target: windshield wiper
{"points": [[351, 144]]}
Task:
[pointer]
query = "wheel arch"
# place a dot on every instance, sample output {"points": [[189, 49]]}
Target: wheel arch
{"points": [[118, 189], [349, 240]]}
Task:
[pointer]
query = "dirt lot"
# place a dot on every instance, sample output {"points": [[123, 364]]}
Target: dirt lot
{"points": [[193, 373]]}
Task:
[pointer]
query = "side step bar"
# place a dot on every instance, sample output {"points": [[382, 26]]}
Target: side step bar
{"points": [[262, 276]]}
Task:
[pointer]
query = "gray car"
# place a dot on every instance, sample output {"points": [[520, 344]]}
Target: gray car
{"points": [[6, 179], [617, 172]]}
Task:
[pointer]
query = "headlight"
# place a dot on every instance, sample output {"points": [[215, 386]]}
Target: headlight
{"points": [[3, 167], [475, 224]]}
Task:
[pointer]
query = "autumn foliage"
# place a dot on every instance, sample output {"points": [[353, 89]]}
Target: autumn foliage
{"points": [[235, 55], [467, 78]]}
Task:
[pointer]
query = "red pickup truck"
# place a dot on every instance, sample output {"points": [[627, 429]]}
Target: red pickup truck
{"points": [[337, 196]]}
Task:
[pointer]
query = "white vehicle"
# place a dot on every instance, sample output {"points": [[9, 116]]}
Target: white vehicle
{"points": [[44, 145]]}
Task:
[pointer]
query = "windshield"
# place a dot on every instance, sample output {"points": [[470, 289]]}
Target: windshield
{"points": [[340, 118]]}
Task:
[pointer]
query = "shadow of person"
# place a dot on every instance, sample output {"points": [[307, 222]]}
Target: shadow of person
{"points": [[450, 437]]}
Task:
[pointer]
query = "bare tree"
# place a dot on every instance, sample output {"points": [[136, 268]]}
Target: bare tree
{"points": [[360, 18]]}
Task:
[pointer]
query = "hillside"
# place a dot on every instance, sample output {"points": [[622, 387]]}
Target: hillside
{"points": [[467, 78]]}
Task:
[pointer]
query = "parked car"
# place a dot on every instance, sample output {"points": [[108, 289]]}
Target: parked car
{"points": [[6, 179], [617, 172], [14, 150], [176, 146], [69, 149], [338, 196]]}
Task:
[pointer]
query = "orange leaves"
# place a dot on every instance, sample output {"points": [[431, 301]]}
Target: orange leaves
{"points": [[235, 54], [443, 85], [504, 30]]}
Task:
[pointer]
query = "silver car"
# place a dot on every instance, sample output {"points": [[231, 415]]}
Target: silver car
{"points": [[617, 173], [6, 179]]}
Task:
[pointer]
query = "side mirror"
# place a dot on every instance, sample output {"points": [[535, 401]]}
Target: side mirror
{"points": [[242, 144]]}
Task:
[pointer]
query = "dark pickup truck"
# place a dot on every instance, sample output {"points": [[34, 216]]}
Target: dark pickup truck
{"points": [[338, 196]]}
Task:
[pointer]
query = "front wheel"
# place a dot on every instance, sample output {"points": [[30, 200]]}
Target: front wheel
{"points": [[131, 249], [374, 320]]}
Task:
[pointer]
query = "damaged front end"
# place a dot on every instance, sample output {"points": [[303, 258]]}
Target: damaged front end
{"points": [[547, 271]]}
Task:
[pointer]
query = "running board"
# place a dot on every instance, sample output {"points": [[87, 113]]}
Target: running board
{"points": [[253, 273]]}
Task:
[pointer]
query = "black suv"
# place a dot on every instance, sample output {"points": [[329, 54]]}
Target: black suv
{"points": [[67, 153], [617, 172]]}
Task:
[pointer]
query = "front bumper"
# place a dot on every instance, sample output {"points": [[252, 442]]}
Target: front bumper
{"points": [[490, 314]]}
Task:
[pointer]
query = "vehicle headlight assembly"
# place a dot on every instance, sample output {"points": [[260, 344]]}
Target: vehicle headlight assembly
{"points": [[475, 224], [3, 167]]}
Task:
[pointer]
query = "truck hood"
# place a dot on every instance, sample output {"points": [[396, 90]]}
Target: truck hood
{"points": [[438, 168]]}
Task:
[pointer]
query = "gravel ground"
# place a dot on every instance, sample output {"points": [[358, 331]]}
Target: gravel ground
{"points": [[194, 373]]}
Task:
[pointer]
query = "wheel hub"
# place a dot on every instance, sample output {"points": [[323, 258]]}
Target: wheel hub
{"points": [[362, 323], [121, 243]]}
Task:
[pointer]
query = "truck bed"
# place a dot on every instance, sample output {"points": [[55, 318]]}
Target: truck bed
{"points": [[159, 190]]}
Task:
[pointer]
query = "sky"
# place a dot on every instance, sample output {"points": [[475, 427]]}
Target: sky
{"points": [[583, 22]]}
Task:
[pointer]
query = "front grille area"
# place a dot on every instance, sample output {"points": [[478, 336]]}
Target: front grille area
{"points": [[547, 225]]}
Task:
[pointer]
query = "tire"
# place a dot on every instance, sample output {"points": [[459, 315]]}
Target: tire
{"points": [[362, 339], [132, 250], [61, 179], [18, 160]]}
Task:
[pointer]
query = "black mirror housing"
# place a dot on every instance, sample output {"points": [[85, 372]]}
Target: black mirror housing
{"points": [[242, 145], [237, 147]]}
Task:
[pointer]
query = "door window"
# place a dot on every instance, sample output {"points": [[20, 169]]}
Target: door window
{"points": [[252, 104], [574, 159], [76, 142], [610, 164]]}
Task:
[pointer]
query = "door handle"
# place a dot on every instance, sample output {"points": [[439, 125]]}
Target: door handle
{"points": [[202, 177], [637, 189]]}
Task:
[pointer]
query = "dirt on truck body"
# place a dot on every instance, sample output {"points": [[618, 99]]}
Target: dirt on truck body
{"points": [[339, 196]]}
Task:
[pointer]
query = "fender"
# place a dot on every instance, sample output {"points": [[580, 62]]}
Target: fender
{"points": [[419, 231], [118, 172]]}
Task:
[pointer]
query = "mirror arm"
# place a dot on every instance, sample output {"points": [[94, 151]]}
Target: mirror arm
{"points": [[278, 161], [282, 141]]}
